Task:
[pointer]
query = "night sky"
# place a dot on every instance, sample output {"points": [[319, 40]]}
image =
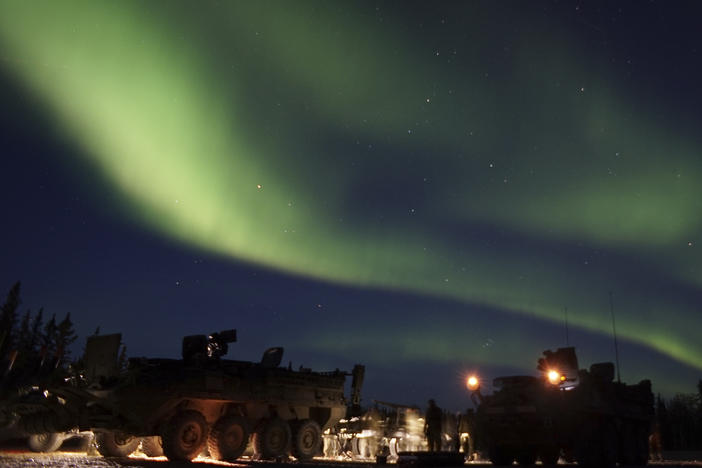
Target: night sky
{"points": [[423, 188]]}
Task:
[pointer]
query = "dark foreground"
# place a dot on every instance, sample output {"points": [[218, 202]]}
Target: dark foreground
{"points": [[16, 458]]}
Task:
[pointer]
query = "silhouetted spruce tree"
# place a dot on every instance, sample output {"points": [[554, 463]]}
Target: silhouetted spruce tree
{"points": [[65, 337], [682, 421], [8, 319], [22, 342], [36, 335], [663, 420], [48, 342], [24, 329]]}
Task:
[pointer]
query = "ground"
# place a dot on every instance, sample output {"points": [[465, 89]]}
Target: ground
{"points": [[17, 459], [16, 455]]}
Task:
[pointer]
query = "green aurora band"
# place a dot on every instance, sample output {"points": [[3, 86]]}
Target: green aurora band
{"points": [[187, 112]]}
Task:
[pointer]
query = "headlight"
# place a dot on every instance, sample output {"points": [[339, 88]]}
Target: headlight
{"points": [[555, 377], [472, 382]]}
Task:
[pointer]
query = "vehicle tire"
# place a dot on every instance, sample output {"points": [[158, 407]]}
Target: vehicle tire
{"points": [[46, 442], [399, 444], [393, 447], [228, 438], [627, 445], [152, 446], [500, 456], [116, 444], [184, 436], [568, 455], [526, 457], [272, 438], [307, 439], [364, 448], [332, 446], [357, 448], [609, 446], [549, 455], [586, 448]]}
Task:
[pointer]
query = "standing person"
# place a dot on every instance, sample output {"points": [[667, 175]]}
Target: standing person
{"points": [[468, 433], [464, 434], [432, 426], [655, 448]]}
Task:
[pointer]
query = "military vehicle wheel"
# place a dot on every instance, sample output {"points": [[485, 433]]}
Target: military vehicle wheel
{"points": [[568, 455], [332, 446], [364, 447], [397, 445], [392, 447], [549, 455], [152, 446], [526, 457], [597, 445], [185, 435], [500, 456], [608, 443], [307, 439], [47, 442], [586, 446], [272, 438], [627, 452], [228, 438], [116, 444]]}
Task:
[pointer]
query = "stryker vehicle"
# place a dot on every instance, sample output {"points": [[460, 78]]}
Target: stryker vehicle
{"points": [[584, 415], [179, 407]]}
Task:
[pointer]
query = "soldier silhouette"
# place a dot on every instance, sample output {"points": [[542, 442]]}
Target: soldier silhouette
{"points": [[655, 447], [467, 433], [432, 426]]}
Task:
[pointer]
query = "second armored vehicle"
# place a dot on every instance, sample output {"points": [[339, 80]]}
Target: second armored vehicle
{"points": [[582, 415]]}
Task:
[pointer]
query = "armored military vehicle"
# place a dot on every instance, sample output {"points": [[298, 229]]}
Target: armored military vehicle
{"points": [[179, 407], [582, 415]]}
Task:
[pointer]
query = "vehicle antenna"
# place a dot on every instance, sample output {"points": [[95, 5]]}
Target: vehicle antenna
{"points": [[614, 332], [565, 309]]}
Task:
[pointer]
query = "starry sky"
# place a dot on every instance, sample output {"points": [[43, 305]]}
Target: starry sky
{"points": [[430, 189]]}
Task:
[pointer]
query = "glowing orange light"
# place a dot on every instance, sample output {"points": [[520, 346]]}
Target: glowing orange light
{"points": [[555, 377], [472, 382]]}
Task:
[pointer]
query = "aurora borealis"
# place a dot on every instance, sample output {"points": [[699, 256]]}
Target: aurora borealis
{"points": [[404, 185]]}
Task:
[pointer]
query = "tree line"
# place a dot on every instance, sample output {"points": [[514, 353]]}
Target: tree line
{"points": [[31, 344], [34, 349], [679, 420]]}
